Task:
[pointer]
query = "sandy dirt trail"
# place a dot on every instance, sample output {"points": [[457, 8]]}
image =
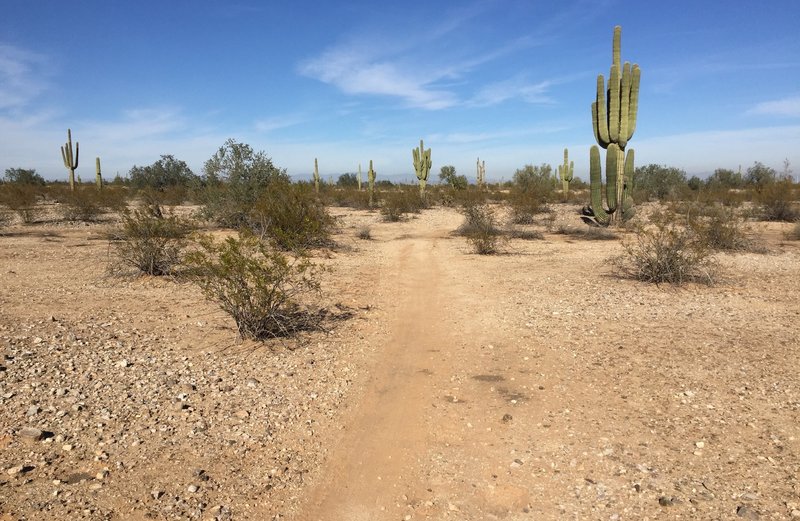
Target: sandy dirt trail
{"points": [[377, 458], [432, 435]]}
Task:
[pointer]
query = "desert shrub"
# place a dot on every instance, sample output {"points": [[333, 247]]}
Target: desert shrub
{"points": [[667, 252], [775, 202], [23, 176], [113, 198], [480, 229], [82, 204], [291, 217], [794, 233], [348, 197], [720, 228], [658, 182], [164, 174], [399, 202], [22, 200], [258, 286], [235, 177], [526, 205], [148, 242], [364, 234], [527, 235]]}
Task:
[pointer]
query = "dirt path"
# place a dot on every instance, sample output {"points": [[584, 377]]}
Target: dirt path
{"points": [[377, 459], [439, 401]]}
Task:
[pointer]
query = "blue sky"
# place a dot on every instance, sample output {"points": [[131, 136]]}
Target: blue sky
{"points": [[509, 81]]}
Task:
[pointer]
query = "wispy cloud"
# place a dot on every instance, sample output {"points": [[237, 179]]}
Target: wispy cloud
{"points": [[513, 88], [278, 122], [787, 107], [355, 72], [21, 77]]}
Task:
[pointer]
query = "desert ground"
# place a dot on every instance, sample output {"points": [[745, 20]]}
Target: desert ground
{"points": [[534, 384]]}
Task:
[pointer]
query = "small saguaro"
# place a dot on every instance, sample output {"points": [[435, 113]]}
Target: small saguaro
{"points": [[98, 177], [70, 159], [316, 175], [371, 178], [422, 165], [565, 172]]}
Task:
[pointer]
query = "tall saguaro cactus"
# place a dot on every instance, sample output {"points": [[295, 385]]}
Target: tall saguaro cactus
{"points": [[70, 160], [565, 172], [316, 175], [481, 178], [371, 178], [98, 177], [359, 177], [614, 121], [422, 165]]}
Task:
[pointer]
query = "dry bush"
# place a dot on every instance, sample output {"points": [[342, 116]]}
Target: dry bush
{"points": [[258, 286], [525, 206], [776, 203], [22, 199], [480, 229], [82, 204], [364, 234], [148, 242], [794, 233], [347, 197], [667, 252], [400, 202]]}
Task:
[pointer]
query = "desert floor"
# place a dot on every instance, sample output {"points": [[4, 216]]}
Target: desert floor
{"points": [[534, 384]]}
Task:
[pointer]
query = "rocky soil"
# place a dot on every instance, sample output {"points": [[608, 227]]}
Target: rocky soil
{"points": [[528, 385]]}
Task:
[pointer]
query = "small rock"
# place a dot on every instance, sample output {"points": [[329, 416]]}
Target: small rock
{"points": [[31, 433], [746, 512], [67, 447], [123, 363], [516, 463], [665, 501], [33, 410], [700, 444], [507, 418], [796, 514], [242, 415], [157, 493], [192, 488], [95, 486]]}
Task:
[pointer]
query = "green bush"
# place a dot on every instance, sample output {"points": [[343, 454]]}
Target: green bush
{"points": [[667, 252], [292, 217], [259, 287], [235, 177], [148, 242]]}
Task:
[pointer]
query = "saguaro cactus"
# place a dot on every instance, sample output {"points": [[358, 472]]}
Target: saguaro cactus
{"points": [[316, 176], [614, 121], [70, 160], [98, 177], [565, 172], [371, 177], [359, 177], [481, 179], [422, 165]]}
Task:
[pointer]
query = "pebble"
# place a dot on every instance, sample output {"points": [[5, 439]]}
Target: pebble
{"points": [[31, 433], [33, 410], [192, 488]]}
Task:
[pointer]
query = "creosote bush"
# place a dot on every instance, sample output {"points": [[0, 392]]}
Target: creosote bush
{"points": [[667, 252], [257, 285], [480, 229], [397, 203], [292, 217], [776, 203], [22, 200], [149, 242]]}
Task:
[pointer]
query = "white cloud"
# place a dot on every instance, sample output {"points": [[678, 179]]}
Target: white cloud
{"points": [[355, 72], [513, 88], [788, 107], [21, 77]]}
